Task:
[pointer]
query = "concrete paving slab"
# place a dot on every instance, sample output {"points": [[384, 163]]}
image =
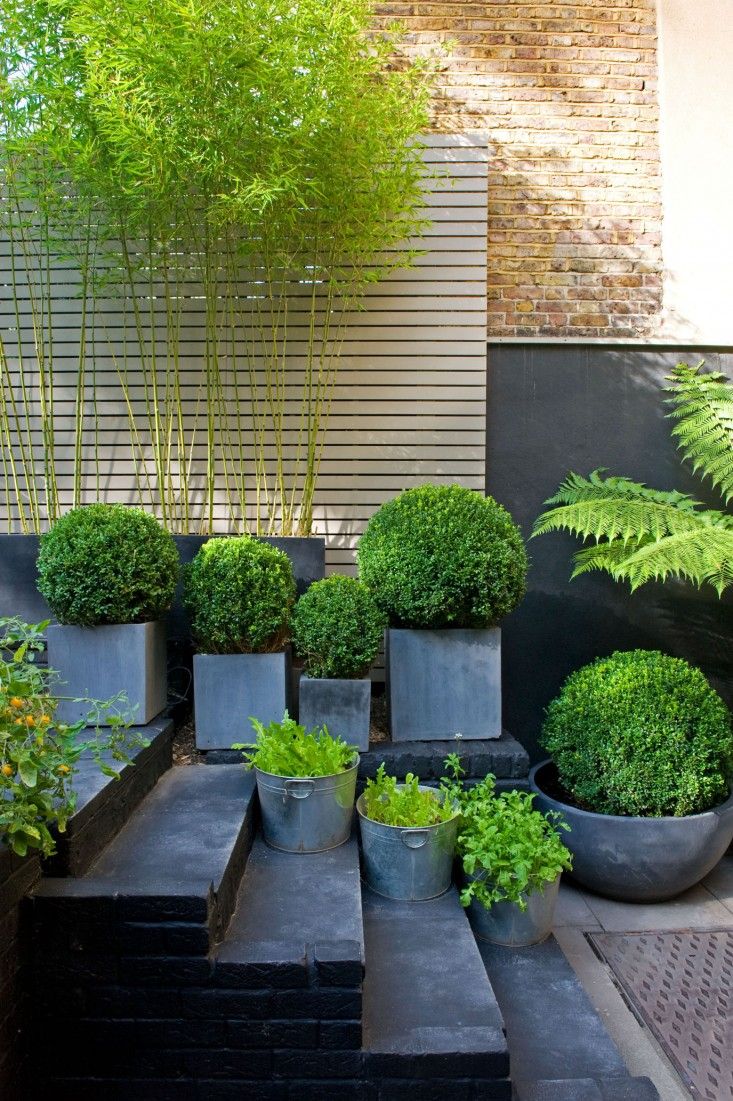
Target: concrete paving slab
{"points": [[573, 909], [720, 881], [695, 909]]}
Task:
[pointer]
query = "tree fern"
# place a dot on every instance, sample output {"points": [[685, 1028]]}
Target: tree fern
{"points": [[639, 534]]}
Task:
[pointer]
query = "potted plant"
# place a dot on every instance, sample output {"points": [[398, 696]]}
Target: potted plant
{"points": [[238, 593], [642, 760], [108, 573], [408, 837], [445, 564], [511, 858], [337, 630], [306, 783]]}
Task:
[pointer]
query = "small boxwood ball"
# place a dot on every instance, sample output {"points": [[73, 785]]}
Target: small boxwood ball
{"points": [[443, 556], [641, 733], [337, 628], [107, 564], [239, 594]]}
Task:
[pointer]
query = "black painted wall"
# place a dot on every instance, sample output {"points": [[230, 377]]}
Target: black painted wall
{"points": [[554, 408]]}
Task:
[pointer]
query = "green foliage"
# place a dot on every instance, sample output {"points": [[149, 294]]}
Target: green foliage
{"points": [[239, 593], [641, 733], [337, 628], [510, 848], [640, 534], [107, 564], [38, 754], [443, 556], [287, 749], [394, 804]]}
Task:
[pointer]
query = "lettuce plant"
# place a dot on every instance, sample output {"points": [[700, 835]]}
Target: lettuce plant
{"points": [[392, 803], [287, 749]]}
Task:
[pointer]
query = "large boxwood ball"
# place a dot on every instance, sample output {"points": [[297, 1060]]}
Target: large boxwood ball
{"points": [[443, 556], [337, 628], [107, 564], [239, 593], [641, 733]]}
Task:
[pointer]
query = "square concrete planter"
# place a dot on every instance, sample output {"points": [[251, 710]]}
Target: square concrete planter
{"points": [[99, 662], [229, 688], [443, 683], [341, 705]]}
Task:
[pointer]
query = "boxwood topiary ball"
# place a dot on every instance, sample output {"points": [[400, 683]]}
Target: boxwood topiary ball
{"points": [[239, 593], [337, 628], [641, 733], [107, 564], [443, 556]]}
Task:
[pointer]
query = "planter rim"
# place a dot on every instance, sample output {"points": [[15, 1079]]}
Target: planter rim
{"points": [[726, 805], [345, 680], [241, 653], [446, 627], [386, 826], [323, 776], [534, 891], [94, 626]]}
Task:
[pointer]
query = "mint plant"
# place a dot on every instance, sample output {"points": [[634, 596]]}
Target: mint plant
{"points": [[404, 804], [287, 749]]}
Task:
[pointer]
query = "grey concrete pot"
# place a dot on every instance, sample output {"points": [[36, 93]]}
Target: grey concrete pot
{"points": [[343, 706], [506, 923], [19, 595], [443, 683], [229, 688], [307, 814], [99, 662], [638, 859]]}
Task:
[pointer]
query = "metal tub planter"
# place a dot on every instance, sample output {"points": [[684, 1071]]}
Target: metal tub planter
{"points": [[505, 923], [307, 814], [412, 863]]}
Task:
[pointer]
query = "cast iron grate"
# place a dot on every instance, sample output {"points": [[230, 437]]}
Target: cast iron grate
{"points": [[681, 984]]}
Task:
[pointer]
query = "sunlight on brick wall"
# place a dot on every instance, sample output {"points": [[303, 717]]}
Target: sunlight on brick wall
{"points": [[567, 94]]}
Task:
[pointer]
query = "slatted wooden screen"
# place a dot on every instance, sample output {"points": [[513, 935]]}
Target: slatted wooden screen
{"points": [[409, 406]]}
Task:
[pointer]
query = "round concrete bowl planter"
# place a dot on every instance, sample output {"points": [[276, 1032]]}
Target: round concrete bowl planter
{"points": [[307, 814], [342, 706], [411, 863], [637, 859], [441, 683], [506, 923]]}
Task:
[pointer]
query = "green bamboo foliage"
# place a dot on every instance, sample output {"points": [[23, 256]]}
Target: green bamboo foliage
{"points": [[252, 160]]}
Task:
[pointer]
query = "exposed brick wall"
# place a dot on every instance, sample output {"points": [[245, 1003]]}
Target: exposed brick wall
{"points": [[567, 93]]}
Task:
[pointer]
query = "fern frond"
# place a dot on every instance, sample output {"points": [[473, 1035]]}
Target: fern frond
{"points": [[701, 556], [703, 408]]}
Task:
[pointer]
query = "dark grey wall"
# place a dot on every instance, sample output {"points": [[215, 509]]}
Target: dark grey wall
{"points": [[555, 408]]}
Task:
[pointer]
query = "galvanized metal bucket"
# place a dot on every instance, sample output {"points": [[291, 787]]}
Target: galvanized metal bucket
{"points": [[410, 863], [307, 815], [505, 923]]}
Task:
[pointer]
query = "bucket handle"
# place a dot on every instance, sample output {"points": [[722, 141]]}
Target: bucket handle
{"points": [[298, 789], [414, 839]]}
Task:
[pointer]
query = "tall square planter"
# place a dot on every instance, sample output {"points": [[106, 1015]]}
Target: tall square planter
{"points": [[443, 683], [343, 706], [230, 688], [99, 662]]}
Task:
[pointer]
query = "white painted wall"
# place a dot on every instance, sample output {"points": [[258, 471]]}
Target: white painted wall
{"points": [[696, 100]]}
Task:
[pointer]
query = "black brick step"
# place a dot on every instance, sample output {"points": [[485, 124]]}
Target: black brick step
{"points": [[430, 1015]]}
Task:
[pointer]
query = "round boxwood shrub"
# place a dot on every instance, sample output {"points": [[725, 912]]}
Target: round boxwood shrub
{"points": [[239, 593], [640, 733], [443, 556], [107, 564], [337, 628]]}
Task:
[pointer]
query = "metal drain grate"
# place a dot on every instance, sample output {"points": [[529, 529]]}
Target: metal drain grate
{"points": [[681, 985]]}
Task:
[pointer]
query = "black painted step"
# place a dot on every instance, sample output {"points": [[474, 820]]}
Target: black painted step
{"points": [[560, 1048], [430, 1015]]}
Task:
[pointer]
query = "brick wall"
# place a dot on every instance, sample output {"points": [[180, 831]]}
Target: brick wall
{"points": [[567, 93]]}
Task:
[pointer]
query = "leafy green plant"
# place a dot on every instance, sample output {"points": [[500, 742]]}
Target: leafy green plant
{"points": [[337, 628], [239, 593], [638, 534], [392, 803], [640, 733], [107, 564], [507, 848], [38, 754], [287, 749], [443, 556]]}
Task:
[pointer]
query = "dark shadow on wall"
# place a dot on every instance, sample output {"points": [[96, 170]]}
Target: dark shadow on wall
{"points": [[555, 408]]}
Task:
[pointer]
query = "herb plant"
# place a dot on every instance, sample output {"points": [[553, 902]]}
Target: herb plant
{"points": [[392, 803], [443, 556], [640, 733], [287, 749], [107, 564], [508, 848], [337, 628], [38, 755]]}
